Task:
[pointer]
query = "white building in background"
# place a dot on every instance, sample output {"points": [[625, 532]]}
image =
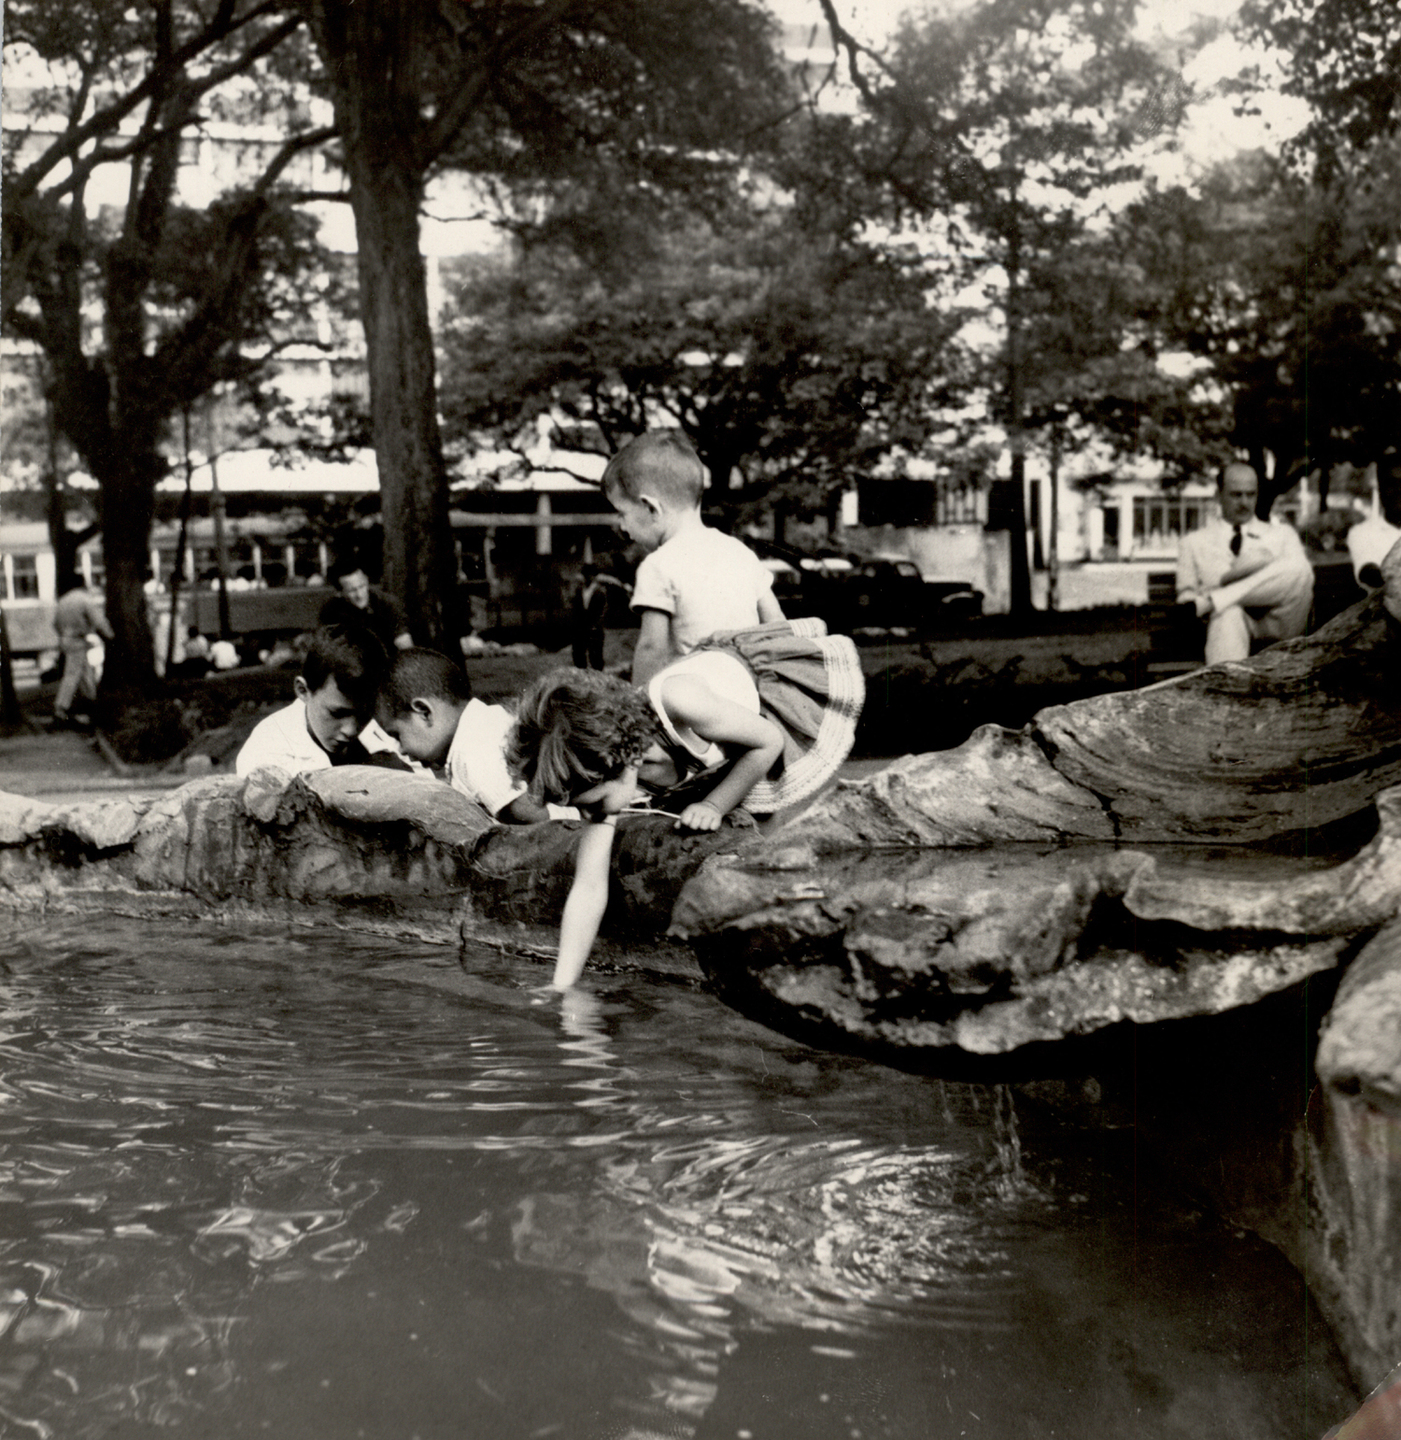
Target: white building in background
{"points": [[1114, 533]]}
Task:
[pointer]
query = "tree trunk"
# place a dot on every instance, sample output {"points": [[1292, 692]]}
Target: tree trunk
{"points": [[368, 51], [128, 507], [403, 395], [1019, 570]]}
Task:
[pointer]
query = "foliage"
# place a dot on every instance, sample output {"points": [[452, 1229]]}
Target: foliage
{"points": [[519, 93], [1017, 129], [795, 358], [1288, 290], [143, 305], [1343, 56]]}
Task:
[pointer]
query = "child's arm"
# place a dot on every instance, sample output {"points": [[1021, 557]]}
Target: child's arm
{"points": [[769, 608], [587, 900], [588, 895], [653, 645], [690, 702]]}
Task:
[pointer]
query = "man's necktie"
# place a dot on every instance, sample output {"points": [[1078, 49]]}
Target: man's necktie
{"points": [[1235, 540]]}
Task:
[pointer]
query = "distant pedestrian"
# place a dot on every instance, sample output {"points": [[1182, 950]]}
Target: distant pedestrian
{"points": [[1248, 578], [590, 609], [78, 616]]}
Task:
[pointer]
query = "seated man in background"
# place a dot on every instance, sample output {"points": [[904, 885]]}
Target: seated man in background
{"points": [[331, 722], [1247, 577], [359, 603], [1369, 542]]}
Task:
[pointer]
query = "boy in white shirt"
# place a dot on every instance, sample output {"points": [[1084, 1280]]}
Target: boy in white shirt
{"points": [[427, 706], [331, 722], [695, 581]]}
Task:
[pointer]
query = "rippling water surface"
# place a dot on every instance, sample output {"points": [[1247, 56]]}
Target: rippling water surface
{"points": [[309, 1185]]}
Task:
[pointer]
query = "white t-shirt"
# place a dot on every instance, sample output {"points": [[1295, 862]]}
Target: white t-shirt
{"points": [[705, 581], [283, 739], [476, 763], [725, 674], [1204, 555]]}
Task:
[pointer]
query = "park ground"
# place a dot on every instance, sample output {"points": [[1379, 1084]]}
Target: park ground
{"points": [[922, 694]]}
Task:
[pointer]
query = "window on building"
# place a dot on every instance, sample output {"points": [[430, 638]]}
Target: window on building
{"points": [[21, 577], [1160, 521], [905, 502]]}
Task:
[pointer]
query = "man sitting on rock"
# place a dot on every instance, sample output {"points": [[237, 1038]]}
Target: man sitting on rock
{"points": [[1248, 578], [331, 722]]}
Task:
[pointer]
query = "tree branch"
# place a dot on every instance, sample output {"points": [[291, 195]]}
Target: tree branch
{"points": [[107, 119], [449, 121]]}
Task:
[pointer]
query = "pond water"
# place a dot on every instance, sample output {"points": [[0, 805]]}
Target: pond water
{"points": [[310, 1185]]}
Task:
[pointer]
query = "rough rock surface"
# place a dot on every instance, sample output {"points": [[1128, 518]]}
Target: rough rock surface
{"points": [[989, 950], [1353, 1249], [359, 847], [1292, 740]]}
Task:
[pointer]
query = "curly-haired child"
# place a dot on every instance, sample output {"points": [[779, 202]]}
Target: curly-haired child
{"points": [[760, 717]]}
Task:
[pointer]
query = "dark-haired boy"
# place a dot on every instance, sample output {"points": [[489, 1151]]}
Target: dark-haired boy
{"points": [[695, 580], [427, 706], [331, 722]]}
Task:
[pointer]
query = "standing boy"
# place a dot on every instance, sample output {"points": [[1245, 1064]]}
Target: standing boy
{"points": [[427, 706], [695, 581], [331, 722]]}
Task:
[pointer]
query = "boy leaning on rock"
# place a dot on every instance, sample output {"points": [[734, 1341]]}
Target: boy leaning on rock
{"points": [[428, 708], [331, 722]]}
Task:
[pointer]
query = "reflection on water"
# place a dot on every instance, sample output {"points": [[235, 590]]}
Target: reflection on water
{"points": [[317, 1186]]}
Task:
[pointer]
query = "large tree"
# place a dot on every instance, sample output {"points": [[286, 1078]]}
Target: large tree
{"points": [[1020, 127], [518, 90], [140, 310]]}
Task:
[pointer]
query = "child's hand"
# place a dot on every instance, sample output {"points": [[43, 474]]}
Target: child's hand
{"points": [[700, 816]]}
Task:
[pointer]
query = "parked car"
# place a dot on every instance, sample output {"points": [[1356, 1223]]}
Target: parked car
{"points": [[888, 594], [787, 583]]}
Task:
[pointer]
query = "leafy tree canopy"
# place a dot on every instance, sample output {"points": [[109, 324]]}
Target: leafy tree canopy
{"points": [[1288, 290], [794, 357], [1344, 57], [141, 305]]}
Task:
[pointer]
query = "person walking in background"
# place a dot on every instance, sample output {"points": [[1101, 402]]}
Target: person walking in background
{"points": [[694, 581], [1247, 577], [359, 603], [590, 610], [78, 615]]}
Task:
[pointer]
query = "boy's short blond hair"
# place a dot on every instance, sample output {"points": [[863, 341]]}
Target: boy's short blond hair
{"points": [[659, 463]]}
